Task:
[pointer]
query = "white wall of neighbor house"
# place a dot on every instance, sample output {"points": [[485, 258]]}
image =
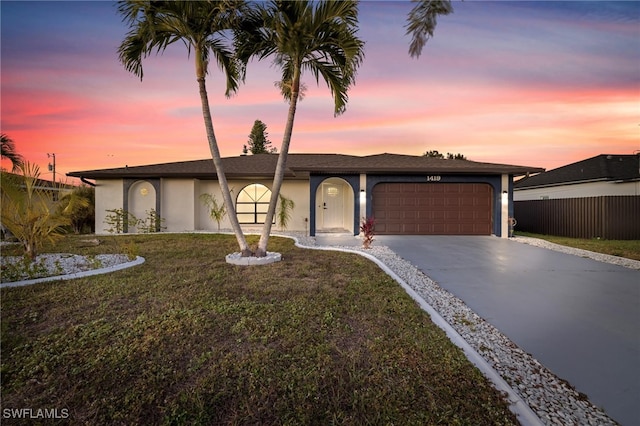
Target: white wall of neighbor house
{"points": [[578, 190], [108, 197]]}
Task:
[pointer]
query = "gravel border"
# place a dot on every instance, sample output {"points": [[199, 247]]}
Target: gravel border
{"points": [[66, 266], [552, 399]]}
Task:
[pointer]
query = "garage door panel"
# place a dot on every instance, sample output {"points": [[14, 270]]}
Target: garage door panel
{"points": [[433, 208]]}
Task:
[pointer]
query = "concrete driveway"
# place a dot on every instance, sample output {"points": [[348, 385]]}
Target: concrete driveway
{"points": [[577, 316]]}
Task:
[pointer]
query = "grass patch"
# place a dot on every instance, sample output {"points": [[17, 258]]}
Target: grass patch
{"points": [[319, 338], [622, 248]]}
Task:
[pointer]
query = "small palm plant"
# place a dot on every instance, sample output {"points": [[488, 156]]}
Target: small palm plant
{"points": [[217, 211], [285, 207], [30, 212]]}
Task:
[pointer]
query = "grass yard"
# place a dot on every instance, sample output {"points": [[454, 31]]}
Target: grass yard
{"points": [[319, 338], [623, 248]]}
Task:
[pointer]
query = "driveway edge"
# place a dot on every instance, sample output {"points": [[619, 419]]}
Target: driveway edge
{"points": [[517, 405]]}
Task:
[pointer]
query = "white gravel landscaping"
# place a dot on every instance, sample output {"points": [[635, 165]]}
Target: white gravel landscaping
{"points": [[57, 265], [552, 399]]}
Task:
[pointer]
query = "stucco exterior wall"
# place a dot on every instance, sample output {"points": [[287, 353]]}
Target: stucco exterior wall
{"points": [[581, 190], [202, 220], [108, 197], [298, 191], [178, 204]]}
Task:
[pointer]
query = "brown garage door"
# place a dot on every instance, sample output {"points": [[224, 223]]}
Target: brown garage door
{"points": [[433, 208]]}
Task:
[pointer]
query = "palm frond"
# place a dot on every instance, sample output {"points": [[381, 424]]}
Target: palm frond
{"points": [[318, 37], [422, 21], [8, 151], [201, 26]]}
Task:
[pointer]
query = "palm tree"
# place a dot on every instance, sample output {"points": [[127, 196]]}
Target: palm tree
{"points": [[422, 21], [8, 151], [315, 36], [202, 27]]}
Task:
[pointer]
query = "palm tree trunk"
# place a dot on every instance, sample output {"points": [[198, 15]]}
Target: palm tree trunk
{"points": [[217, 162], [281, 166]]}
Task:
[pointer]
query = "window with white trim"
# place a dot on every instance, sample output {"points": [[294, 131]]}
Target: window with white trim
{"points": [[252, 204]]}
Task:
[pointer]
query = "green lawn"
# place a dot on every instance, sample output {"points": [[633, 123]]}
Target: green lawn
{"points": [[623, 248], [319, 338]]}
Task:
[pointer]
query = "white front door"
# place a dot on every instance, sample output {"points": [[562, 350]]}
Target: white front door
{"points": [[332, 206]]}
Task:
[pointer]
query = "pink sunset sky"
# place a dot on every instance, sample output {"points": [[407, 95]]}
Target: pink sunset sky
{"points": [[539, 84]]}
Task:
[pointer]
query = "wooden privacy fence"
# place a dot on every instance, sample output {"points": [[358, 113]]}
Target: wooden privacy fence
{"points": [[610, 217]]}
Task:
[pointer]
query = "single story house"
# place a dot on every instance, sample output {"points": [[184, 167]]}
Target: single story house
{"points": [[602, 175], [594, 198], [332, 193]]}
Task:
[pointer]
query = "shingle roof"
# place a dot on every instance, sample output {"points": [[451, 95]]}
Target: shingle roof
{"points": [[603, 167], [41, 183], [299, 166]]}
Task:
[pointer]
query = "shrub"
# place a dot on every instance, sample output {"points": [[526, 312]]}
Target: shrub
{"points": [[82, 215], [119, 221], [152, 223], [217, 211], [30, 212], [366, 228]]}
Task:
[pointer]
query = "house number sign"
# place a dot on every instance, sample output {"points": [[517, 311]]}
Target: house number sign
{"points": [[434, 178]]}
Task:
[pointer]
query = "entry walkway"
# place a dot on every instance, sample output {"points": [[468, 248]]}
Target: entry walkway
{"points": [[578, 317]]}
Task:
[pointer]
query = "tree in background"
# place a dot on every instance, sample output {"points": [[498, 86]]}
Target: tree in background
{"points": [[258, 142], [81, 215], [316, 36], [203, 28], [8, 151], [457, 156], [422, 21], [450, 156]]}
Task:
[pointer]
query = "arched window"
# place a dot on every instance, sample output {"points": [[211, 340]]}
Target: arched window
{"points": [[252, 204]]}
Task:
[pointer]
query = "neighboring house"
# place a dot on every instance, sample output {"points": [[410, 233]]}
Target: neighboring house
{"points": [[595, 198], [602, 175], [332, 193], [55, 189], [52, 191]]}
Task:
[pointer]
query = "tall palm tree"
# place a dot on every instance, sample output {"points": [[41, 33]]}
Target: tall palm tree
{"points": [[8, 151], [422, 21], [316, 36], [202, 26]]}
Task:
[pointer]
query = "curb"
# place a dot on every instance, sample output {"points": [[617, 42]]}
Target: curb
{"points": [[138, 261]]}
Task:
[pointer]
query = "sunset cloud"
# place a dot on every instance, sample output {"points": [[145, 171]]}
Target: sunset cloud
{"points": [[532, 83]]}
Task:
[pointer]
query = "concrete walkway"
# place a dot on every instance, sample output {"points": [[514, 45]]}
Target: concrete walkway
{"points": [[578, 317]]}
